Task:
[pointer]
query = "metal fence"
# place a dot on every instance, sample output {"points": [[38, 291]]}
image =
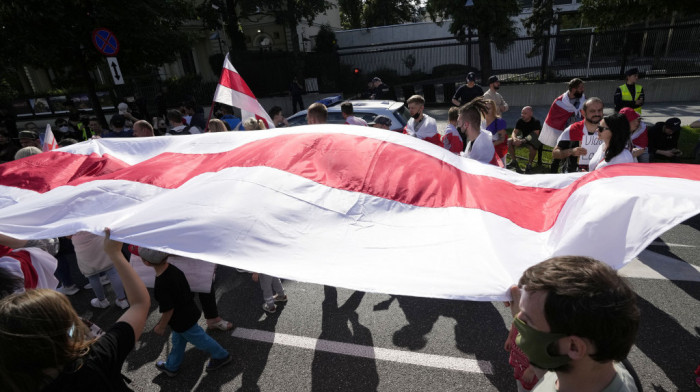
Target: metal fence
{"points": [[657, 51]]}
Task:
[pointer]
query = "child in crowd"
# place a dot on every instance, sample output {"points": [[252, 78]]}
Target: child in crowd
{"points": [[272, 291], [451, 139], [178, 309], [92, 260]]}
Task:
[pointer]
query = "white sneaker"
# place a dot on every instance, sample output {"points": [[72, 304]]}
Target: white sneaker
{"points": [[104, 280], [99, 304], [122, 303], [88, 286], [68, 290]]}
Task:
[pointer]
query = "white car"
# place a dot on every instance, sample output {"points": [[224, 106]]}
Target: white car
{"points": [[364, 109]]}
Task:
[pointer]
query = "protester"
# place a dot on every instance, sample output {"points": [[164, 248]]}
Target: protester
{"points": [[93, 261], [614, 131], [347, 111], [382, 122], [569, 144], [468, 91], [253, 124], [565, 110], [630, 94], [29, 138], [317, 114], [497, 126], [27, 151], [479, 141], [95, 128], [525, 133], [177, 125], [451, 139], [492, 94], [143, 128], [277, 117], [233, 122], [216, 125], [66, 142], [195, 115], [32, 262], [638, 135], [180, 312], [524, 373], [663, 141], [578, 318], [117, 127], [421, 125], [272, 291], [46, 346]]}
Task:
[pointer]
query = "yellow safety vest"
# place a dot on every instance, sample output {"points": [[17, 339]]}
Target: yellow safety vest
{"points": [[627, 95]]}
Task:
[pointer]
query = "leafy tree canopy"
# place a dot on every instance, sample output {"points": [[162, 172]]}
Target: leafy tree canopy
{"points": [[57, 34], [371, 13], [617, 13]]}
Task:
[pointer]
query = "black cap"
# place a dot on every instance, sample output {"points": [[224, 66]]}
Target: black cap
{"points": [[493, 79], [632, 71], [673, 123], [381, 120], [471, 77], [28, 135]]}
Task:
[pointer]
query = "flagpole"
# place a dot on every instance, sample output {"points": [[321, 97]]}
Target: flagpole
{"points": [[211, 109]]}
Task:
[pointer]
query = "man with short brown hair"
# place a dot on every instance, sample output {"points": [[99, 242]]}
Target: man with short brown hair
{"points": [[577, 318], [143, 128]]}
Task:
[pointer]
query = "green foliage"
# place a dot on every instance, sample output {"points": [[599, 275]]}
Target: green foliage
{"points": [[388, 12], [57, 34], [490, 19], [610, 14], [539, 23], [351, 13], [325, 40]]}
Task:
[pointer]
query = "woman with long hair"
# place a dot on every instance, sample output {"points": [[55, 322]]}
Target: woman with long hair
{"points": [[614, 131], [497, 126], [47, 347]]}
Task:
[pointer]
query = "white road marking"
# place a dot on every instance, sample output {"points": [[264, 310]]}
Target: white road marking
{"points": [[356, 350], [651, 265], [661, 243]]}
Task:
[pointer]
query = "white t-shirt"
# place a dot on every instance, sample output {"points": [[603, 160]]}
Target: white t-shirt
{"points": [[352, 120], [481, 149], [598, 159]]}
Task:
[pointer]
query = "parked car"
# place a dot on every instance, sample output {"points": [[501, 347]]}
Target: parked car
{"points": [[364, 109]]}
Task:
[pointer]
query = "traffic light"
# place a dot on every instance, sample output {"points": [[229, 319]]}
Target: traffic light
{"points": [[356, 71]]}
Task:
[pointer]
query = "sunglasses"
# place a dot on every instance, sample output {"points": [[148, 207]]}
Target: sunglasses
{"points": [[601, 128]]}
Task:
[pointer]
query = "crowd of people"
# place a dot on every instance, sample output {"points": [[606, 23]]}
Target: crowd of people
{"points": [[563, 334]]}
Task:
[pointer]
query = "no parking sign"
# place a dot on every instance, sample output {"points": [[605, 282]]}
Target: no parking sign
{"points": [[105, 41]]}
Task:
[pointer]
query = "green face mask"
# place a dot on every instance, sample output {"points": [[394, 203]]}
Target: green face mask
{"points": [[534, 344]]}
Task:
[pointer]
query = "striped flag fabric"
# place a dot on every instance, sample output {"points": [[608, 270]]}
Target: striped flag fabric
{"points": [[49, 140], [232, 90], [352, 207]]}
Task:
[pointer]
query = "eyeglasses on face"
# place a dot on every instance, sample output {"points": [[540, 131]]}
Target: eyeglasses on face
{"points": [[602, 128]]}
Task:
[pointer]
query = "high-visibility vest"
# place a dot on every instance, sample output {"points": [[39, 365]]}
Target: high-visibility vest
{"points": [[627, 95]]}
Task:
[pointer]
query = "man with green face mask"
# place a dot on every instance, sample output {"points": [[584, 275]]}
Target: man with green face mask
{"points": [[577, 318]]}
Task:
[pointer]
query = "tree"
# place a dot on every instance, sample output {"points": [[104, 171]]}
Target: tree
{"points": [[539, 24], [325, 40], [351, 13], [388, 12], [616, 13], [491, 19], [57, 34]]}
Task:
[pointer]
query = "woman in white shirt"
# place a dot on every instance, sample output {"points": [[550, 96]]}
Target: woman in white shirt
{"points": [[614, 131]]}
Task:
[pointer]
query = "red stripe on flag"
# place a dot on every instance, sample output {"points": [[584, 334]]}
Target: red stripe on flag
{"points": [[234, 81], [345, 162]]}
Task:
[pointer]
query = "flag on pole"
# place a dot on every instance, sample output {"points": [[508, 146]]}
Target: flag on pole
{"points": [[353, 207], [49, 140], [232, 90]]}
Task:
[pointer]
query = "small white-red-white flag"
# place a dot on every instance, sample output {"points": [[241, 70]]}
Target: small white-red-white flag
{"points": [[232, 90], [49, 140]]}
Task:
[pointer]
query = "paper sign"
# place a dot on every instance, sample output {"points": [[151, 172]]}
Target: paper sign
{"points": [[591, 144]]}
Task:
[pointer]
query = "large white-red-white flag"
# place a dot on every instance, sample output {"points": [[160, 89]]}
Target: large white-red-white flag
{"points": [[346, 206], [232, 90]]}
